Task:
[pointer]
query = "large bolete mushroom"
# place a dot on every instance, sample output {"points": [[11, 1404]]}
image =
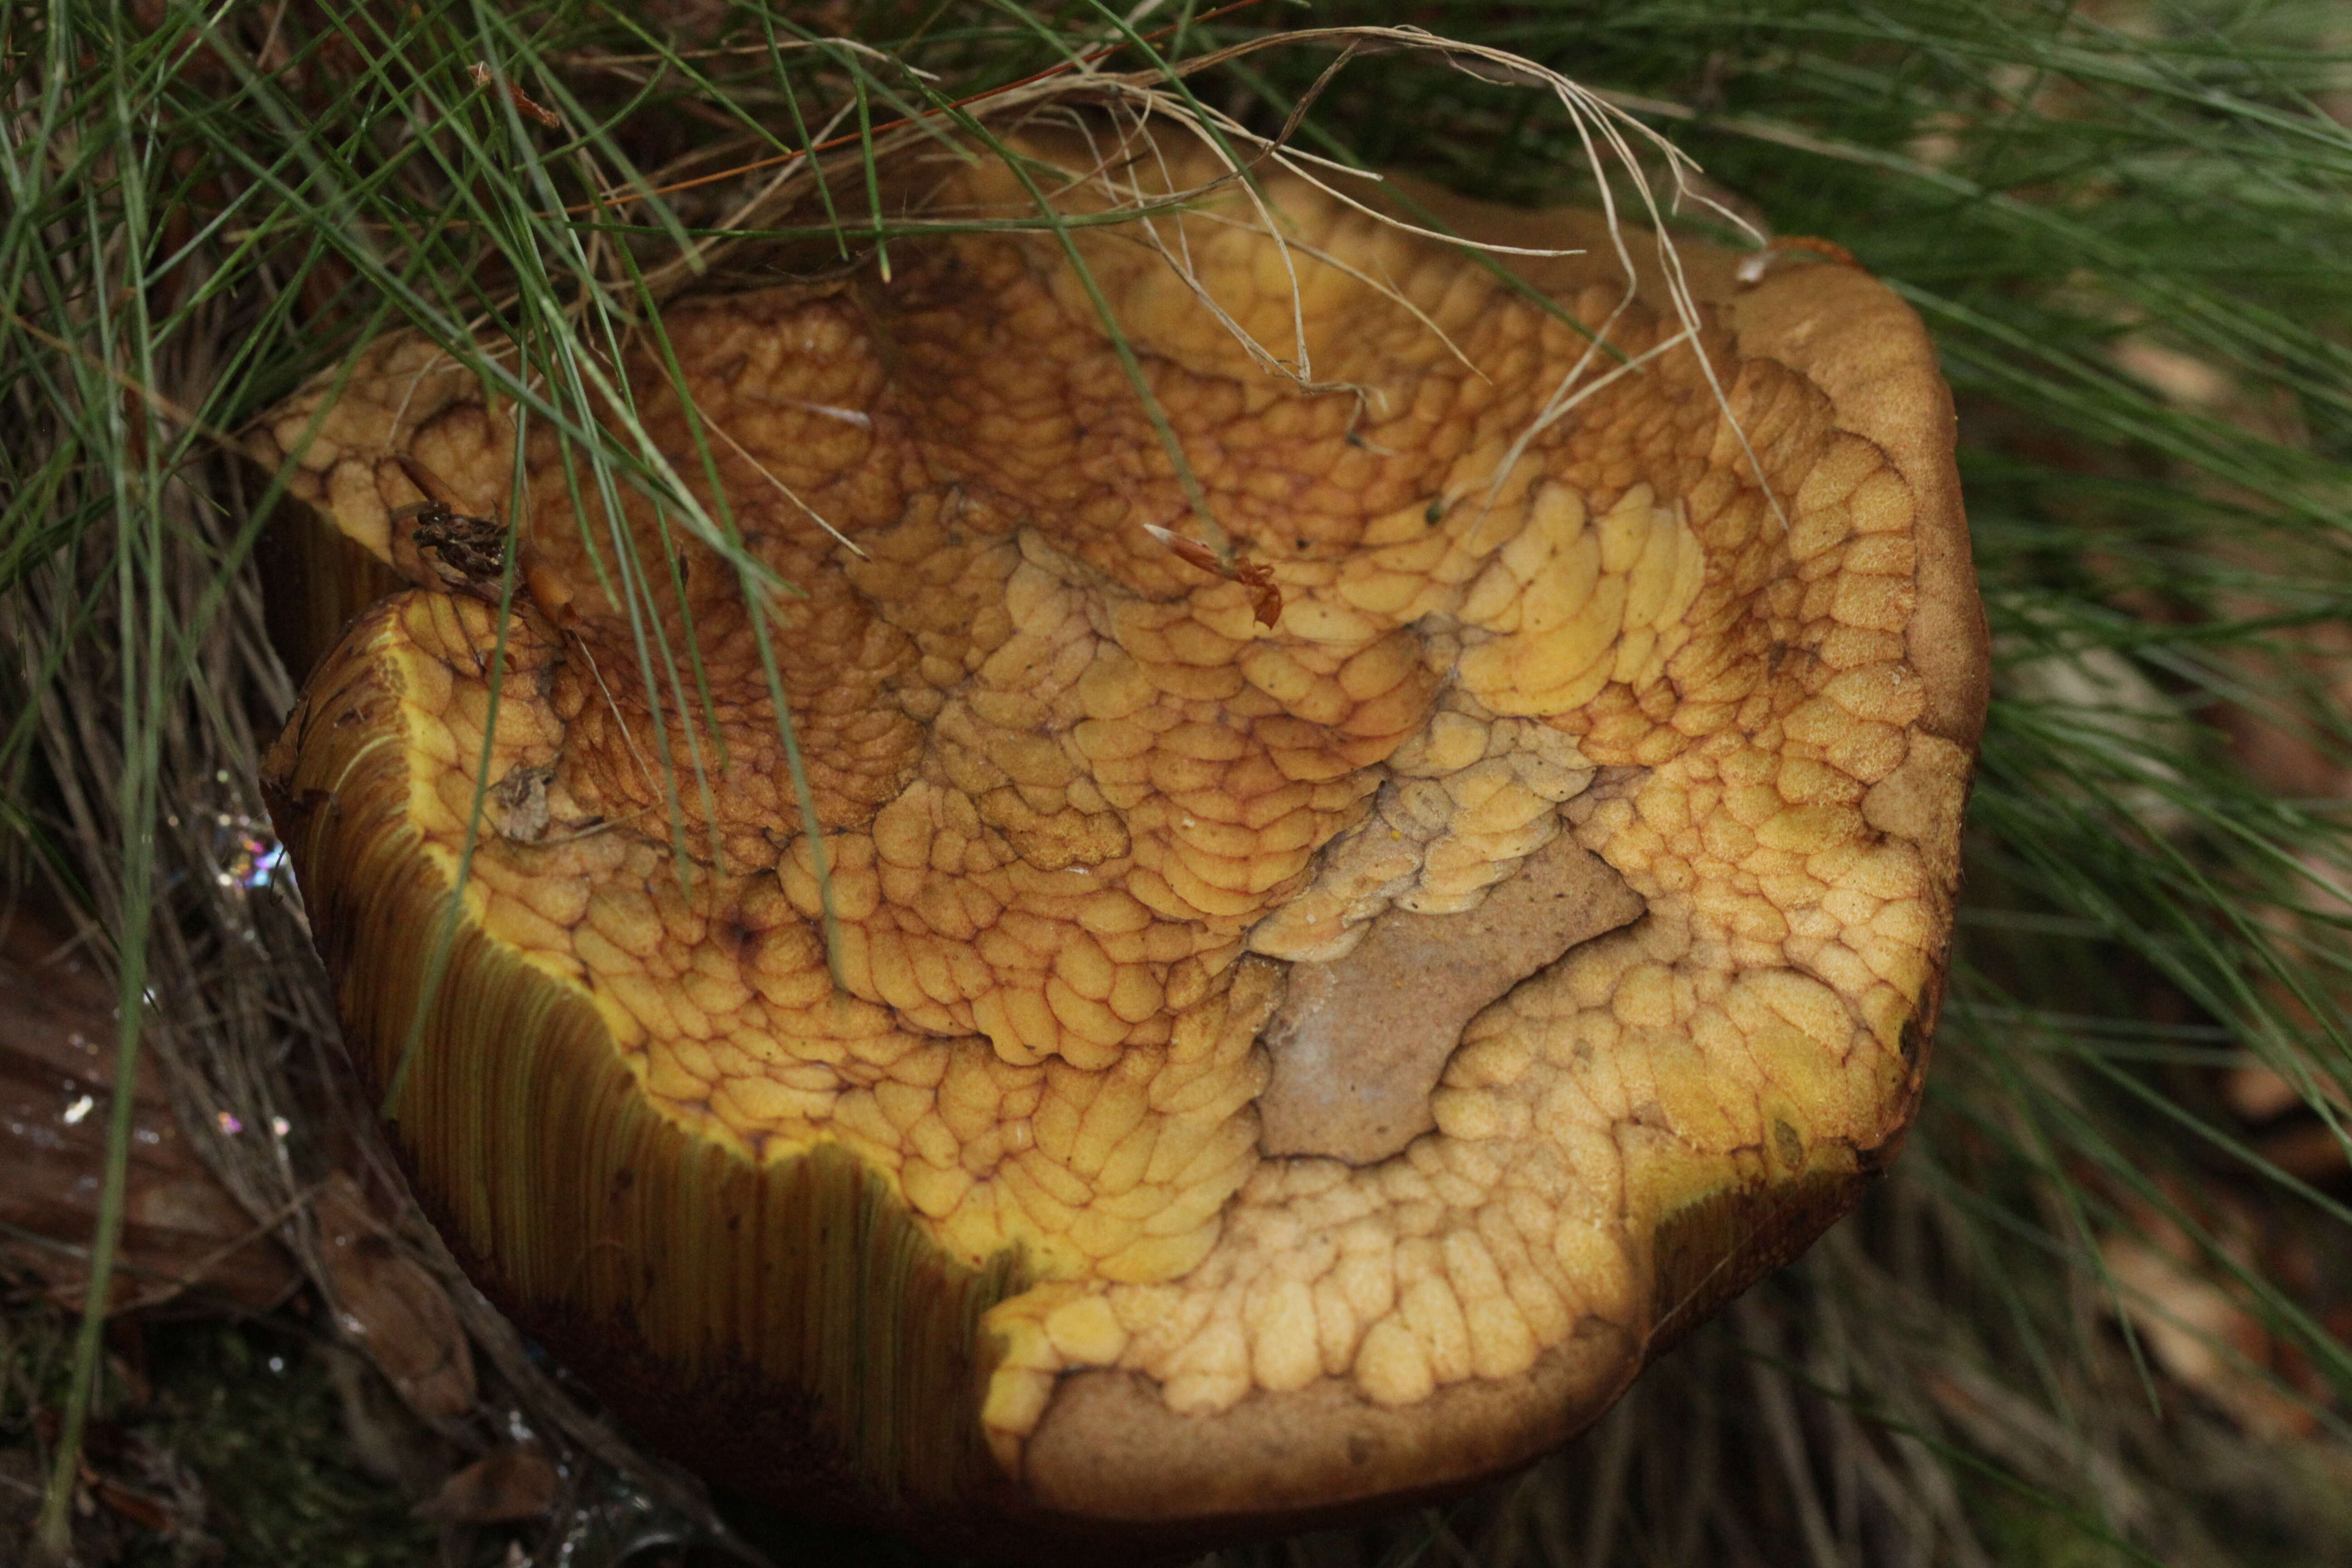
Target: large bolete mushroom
{"points": [[1272, 1068]]}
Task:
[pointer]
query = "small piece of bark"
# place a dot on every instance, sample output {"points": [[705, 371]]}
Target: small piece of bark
{"points": [[1359, 1043], [392, 1307], [513, 1481], [517, 804]]}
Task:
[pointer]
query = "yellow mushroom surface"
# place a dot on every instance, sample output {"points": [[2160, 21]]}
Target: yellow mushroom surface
{"points": [[1692, 662]]}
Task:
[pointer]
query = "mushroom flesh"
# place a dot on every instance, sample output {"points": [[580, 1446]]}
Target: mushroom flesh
{"points": [[1269, 1068]]}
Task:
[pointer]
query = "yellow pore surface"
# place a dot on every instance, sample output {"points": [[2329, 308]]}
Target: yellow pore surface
{"points": [[1082, 812]]}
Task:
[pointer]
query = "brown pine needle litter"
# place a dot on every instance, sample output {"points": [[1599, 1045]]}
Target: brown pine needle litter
{"points": [[2096, 1311]]}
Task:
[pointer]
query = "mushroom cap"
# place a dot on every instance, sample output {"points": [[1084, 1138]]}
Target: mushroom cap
{"points": [[1273, 1069]]}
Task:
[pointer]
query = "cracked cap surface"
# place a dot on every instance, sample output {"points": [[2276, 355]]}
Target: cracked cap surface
{"points": [[1087, 820]]}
